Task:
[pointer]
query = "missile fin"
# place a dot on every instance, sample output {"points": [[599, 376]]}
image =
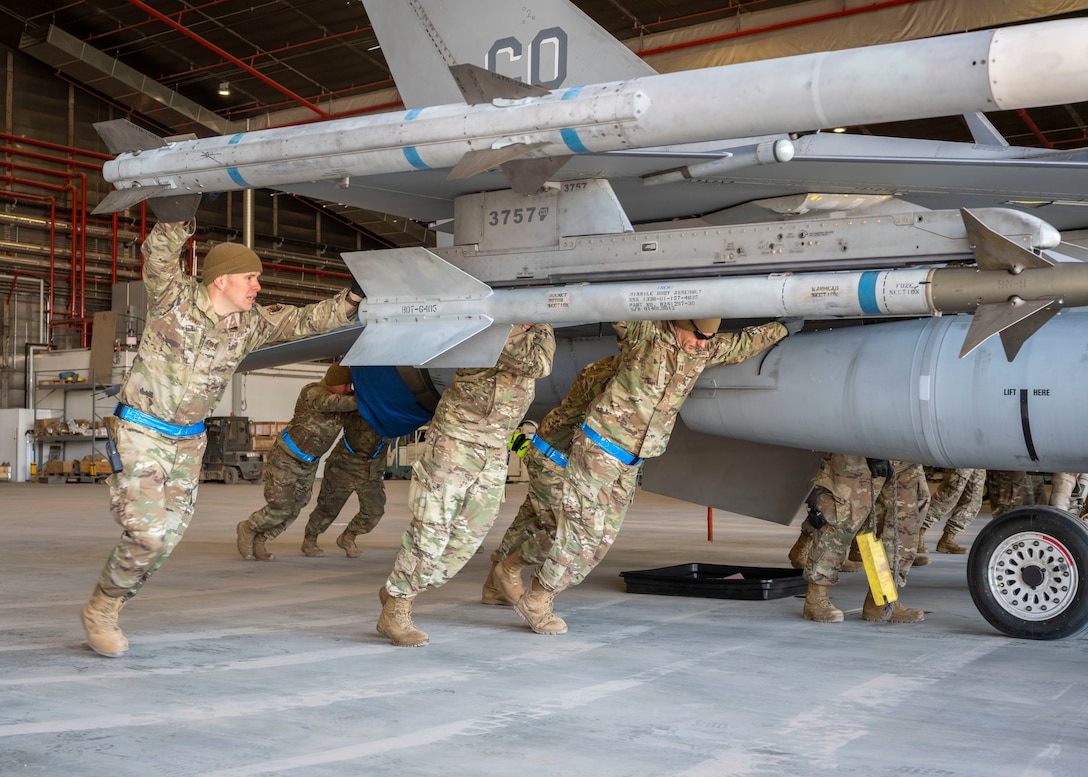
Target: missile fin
{"points": [[479, 85], [480, 350], [475, 162], [414, 342], [995, 317], [181, 207], [994, 251], [411, 274], [123, 199], [122, 136], [526, 176], [1016, 335]]}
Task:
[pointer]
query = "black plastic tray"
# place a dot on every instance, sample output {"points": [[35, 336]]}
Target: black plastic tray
{"points": [[716, 581]]}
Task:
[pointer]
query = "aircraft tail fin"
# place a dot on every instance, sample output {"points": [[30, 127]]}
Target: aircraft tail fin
{"points": [[548, 43]]}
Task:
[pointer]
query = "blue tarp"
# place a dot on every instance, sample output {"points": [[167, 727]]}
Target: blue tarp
{"points": [[386, 403]]}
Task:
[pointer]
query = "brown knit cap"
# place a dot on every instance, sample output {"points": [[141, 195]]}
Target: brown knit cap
{"points": [[227, 259], [338, 375], [707, 326]]}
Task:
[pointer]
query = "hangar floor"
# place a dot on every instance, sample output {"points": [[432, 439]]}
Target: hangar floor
{"points": [[248, 668]]}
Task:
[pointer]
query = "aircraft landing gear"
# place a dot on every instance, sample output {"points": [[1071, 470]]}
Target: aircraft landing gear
{"points": [[1028, 573]]}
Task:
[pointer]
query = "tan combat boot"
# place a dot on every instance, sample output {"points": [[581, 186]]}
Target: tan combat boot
{"points": [[259, 551], [818, 607], [507, 576], [535, 606], [922, 542], [948, 545], [395, 622], [309, 546], [798, 554], [896, 613], [245, 540], [491, 593], [920, 560], [346, 541], [100, 622]]}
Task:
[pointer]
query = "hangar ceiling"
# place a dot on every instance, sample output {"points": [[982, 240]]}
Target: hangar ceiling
{"points": [[286, 61]]}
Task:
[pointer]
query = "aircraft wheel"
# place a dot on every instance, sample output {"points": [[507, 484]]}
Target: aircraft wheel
{"points": [[1028, 573], [230, 475]]}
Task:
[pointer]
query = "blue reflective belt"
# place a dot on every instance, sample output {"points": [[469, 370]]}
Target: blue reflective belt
{"points": [[295, 449], [549, 451], [374, 455], [611, 448], [133, 415]]}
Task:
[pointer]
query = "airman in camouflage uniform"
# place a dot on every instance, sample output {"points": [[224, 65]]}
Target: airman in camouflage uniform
{"points": [[959, 499], [195, 336], [845, 492], [289, 472], [355, 464], [531, 534], [630, 420], [1009, 489], [457, 483]]}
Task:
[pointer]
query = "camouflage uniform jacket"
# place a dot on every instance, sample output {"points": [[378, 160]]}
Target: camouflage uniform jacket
{"points": [[188, 353], [483, 405], [558, 427], [638, 408], [319, 417], [361, 436]]}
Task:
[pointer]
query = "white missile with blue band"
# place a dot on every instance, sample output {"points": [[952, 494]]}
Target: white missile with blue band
{"points": [[421, 310], [981, 71]]}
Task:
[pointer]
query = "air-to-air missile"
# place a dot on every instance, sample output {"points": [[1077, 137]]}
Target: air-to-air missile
{"points": [[421, 310], [1007, 68]]}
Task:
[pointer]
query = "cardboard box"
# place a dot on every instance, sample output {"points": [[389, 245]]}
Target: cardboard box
{"points": [[266, 428], [49, 427], [61, 467], [5, 471], [101, 465]]}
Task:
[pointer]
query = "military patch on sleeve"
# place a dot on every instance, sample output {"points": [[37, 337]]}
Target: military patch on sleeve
{"points": [[274, 308]]}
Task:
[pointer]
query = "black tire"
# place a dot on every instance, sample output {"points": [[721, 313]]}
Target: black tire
{"points": [[230, 475], [1028, 573]]}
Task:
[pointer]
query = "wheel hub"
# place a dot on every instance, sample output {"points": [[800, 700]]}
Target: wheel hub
{"points": [[1032, 576]]}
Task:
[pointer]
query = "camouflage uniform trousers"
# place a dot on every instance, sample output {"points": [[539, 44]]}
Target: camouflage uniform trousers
{"points": [[901, 507], [1009, 489], [846, 500], [346, 472], [288, 485], [849, 497], [153, 499], [958, 498], [597, 492], [533, 529], [454, 497]]}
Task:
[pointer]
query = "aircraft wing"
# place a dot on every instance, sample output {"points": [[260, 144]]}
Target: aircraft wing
{"points": [[1052, 185]]}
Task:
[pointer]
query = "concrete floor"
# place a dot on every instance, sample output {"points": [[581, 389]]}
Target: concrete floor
{"points": [[248, 668]]}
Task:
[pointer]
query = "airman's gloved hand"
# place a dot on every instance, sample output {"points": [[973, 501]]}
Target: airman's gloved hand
{"points": [[793, 324], [879, 468]]}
